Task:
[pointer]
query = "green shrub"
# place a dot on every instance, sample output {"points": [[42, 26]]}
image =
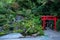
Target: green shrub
{"points": [[31, 26], [18, 31], [2, 33], [36, 29]]}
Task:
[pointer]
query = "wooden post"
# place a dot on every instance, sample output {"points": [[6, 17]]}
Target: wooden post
{"points": [[43, 24], [55, 23]]}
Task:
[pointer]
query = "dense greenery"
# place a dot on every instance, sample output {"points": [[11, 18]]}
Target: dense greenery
{"points": [[30, 10], [58, 25]]}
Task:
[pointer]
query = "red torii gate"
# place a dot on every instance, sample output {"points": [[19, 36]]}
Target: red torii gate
{"points": [[44, 18]]}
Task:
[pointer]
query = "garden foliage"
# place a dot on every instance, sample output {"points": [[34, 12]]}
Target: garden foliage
{"points": [[30, 10]]}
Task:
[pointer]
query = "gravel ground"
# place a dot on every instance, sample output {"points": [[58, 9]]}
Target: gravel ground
{"points": [[54, 35]]}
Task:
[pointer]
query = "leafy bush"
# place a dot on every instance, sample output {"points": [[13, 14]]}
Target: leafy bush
{"points": [[3, 33], [31, 23], [31, 26], [18, 31]]}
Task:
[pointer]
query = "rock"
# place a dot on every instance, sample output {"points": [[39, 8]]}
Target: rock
{"points": [[12, 35], [1, 29]]}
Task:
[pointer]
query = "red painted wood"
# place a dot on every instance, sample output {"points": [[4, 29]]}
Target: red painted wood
{"points": [[55, 19]]}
